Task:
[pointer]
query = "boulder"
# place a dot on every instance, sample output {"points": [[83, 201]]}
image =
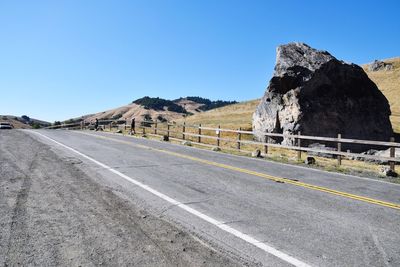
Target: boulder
{"points": [[386, 171], [186, 143], [256, 153], [165, 138], [380, 65], [314, 93], [310, 161], [320, 154], [379, 153]]}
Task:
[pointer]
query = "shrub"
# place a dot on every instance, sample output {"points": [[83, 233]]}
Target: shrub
{"points": [[116, 117], [36, 125], [148, 120], [26, 118], [161, 118]]}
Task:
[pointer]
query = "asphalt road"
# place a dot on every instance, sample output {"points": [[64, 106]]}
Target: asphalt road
{"points": [[230, 209]]}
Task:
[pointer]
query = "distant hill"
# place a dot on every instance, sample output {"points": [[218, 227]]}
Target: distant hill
{"points": [[24, 122], [206, 104], [156, 108], [159, 104]]}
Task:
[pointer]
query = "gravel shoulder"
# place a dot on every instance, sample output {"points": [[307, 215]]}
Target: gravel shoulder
{"points": [[53, 213]]}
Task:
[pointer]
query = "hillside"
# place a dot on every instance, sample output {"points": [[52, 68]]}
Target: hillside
{"points": [[388, 81], [23, 122], [240, 115], [159, 109], [231, 117]]}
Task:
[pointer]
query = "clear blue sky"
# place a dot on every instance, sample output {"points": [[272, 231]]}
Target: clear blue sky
{"points": [[62, 59]]}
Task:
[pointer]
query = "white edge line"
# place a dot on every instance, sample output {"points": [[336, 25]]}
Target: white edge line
{"points": [[263, 246]]}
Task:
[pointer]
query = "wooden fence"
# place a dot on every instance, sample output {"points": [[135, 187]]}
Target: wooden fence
{"points": [[196, 133]]}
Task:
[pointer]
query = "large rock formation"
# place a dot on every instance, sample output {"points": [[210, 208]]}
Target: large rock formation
{"points": [[378, 65], [313, 92]]}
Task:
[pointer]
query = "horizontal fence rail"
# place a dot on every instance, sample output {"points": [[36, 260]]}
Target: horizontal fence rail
{"points": [[180, 130]]}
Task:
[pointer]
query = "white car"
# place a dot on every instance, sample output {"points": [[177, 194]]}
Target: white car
{"points": [[5, 125]]}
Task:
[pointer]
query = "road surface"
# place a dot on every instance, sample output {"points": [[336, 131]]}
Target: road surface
{"points": [[85, 198]]}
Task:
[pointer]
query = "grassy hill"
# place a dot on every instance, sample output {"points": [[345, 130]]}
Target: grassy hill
{"points": [[388, 81], [23, 122], [231, 116], [158, 109]]}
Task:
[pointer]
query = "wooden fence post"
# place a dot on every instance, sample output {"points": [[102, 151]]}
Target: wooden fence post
{"points": [[266, 139], [144, 129], [239, 137], [339, 149], [199, 132], [125, 126], [392, 155], [155, 127], [218, 134], [299, 146], [133, 125], [168, 130], [183, 130], [110, 126]]}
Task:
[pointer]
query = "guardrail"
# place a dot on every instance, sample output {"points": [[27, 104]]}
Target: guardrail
{"points": [[181, 133]]}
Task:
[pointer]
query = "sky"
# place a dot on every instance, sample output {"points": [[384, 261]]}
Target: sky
{"points": [[63, 59]]}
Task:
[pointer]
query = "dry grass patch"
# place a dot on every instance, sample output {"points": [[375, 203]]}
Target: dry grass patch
{"points": [[230, 117], [388, 81]]}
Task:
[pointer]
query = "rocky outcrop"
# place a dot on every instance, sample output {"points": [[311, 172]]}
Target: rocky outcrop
{"points": [[313, 92], [380, 65]]}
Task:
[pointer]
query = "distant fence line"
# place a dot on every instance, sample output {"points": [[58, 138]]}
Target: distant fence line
{"points": [[181, 133]]}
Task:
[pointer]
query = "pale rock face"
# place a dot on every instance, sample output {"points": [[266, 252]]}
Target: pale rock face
{"points": [[313, 92]]}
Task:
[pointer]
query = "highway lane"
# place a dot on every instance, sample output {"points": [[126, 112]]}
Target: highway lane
{"points": [[53, 213], [315, 227]]}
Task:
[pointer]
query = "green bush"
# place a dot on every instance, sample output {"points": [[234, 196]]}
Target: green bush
{"points": [[148, 120], [116, 117], [161, 118], [36, 125]]}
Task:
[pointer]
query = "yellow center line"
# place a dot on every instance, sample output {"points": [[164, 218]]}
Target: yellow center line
{"points": [[259, 174]]}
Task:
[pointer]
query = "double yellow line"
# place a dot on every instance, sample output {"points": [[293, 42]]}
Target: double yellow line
{"points": [[262, 175]]}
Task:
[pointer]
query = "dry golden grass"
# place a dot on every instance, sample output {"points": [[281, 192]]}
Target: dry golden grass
{"points": [[389, 83], [16, 124], [230, 117]]}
